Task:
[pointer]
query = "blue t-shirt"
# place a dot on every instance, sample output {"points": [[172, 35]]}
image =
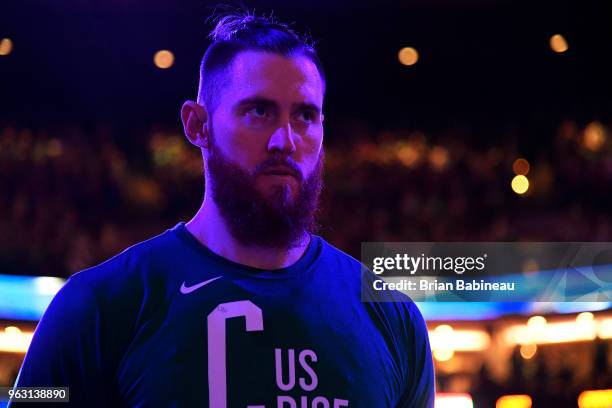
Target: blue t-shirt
{"points": [[169, 323]]}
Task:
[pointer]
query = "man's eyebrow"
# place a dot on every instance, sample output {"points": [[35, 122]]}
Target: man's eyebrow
{"points": [[256, 100], [307, 106]]}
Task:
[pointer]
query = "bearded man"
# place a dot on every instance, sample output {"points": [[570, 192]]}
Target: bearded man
{"points": [[242, 306]]}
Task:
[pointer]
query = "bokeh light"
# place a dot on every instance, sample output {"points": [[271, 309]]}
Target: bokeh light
{"points": [[536, 328], [163, 59], [6, 46], [520, 167], [453, 400], [444, 354], [520, 184], [595, 399], [528, 350], [514, 401], [408, 56], [12, 330], [558, 43], [536, 322], [585, 322], [14, 340], [48, 285], [444, 349], [438, 157], [408, 155], [594, 136], [585, 317]]}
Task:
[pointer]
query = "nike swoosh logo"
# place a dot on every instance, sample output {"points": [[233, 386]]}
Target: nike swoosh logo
{"points": [[188, 289]]}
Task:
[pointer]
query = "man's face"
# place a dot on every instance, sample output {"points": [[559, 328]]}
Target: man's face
{"points": [[271, 105], [265, 153]]}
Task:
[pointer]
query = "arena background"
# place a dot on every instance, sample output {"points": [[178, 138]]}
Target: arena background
{"points": [[429, 106]]}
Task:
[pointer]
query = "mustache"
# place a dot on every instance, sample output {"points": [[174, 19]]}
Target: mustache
{"points": [[288, 164]]}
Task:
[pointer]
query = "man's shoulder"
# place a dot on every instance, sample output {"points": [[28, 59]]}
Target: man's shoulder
{"points": [[394, 312], [354, 271], [366, 275], [334, 254]]}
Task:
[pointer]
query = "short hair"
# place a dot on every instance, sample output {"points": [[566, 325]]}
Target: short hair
{"points": [[235, 33]]}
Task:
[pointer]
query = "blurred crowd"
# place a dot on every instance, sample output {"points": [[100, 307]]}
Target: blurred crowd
{"points": [[400, 186], [74, 196], [555, 377]]}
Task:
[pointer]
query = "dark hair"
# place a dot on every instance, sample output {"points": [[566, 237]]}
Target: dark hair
{"points": [[235, 33]]}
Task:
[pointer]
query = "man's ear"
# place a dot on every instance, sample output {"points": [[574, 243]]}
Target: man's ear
{"points": [[194, 118]]}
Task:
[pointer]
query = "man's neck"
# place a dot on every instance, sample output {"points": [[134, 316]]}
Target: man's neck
{"points": [[208, 227]]}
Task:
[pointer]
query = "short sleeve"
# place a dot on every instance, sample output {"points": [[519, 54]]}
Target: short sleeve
{"points": [[66, 350], [420, 389]]}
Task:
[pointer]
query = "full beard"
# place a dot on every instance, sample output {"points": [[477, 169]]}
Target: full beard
{"points": [[279, 219]]}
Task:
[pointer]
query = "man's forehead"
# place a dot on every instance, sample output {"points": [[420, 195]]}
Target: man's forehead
{"points": [[275, 76]]}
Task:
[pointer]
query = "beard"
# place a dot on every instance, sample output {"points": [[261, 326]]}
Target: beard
{"points": [[278, 219]]}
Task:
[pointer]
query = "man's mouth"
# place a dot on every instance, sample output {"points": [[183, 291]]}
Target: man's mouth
{"points": [[280, 171]]}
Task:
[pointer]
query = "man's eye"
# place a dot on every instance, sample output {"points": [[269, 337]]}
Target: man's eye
{"points": [[258, 112], [307, 116]]}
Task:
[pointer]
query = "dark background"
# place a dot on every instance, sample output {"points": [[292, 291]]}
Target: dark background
{"points": [[482, 63], [486, 90]]}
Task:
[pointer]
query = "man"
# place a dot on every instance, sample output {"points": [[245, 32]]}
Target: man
{"points": [[243, 306]]}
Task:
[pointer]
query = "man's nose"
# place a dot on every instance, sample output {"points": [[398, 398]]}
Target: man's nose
{"points": [[282, 140]]}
